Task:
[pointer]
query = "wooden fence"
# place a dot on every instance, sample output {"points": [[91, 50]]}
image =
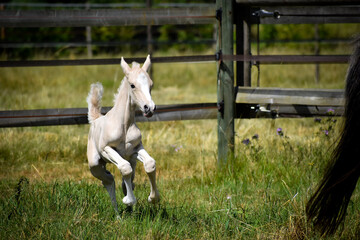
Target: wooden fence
{"points": [[241, 101], [242, 14]]}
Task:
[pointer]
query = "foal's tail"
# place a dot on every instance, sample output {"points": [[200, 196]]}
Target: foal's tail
{"points": [[94, 101], [327, 207]]}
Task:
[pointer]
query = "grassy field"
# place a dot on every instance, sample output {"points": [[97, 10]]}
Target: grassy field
{"points": [[47, 191]]}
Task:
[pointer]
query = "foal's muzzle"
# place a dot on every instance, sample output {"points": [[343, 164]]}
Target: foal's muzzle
{"points": [[148, 112]]}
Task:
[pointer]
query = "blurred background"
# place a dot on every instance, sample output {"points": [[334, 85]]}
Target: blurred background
{"points": [[25, 43]]}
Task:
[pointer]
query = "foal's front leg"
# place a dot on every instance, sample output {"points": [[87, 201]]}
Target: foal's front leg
{"points": [[150, 169], [133, 166], [126, 171]]}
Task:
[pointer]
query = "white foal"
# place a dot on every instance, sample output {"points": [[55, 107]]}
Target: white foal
{"points": [[115, 138]]}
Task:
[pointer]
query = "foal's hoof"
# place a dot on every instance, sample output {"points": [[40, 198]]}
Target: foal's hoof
{"points": [[129, 201], [153, 200]]}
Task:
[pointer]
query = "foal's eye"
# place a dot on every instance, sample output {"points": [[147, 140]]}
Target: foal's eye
{"points": [[132, 86]]}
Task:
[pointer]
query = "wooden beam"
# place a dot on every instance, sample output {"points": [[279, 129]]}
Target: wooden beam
{"points": [[296, 2], [263, 59], [106, 17], [250, 111], [313, 15], [71, 116], [316, 97], [302, 14], [76, 116], [292, 59], [104, 61]]}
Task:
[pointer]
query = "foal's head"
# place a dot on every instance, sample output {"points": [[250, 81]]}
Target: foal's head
{"points": [[140, 85]]}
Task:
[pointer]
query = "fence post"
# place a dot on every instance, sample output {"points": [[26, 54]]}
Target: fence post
{"points": [[226, 99]]}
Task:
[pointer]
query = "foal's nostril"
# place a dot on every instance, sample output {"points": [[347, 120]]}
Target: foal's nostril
{"points": [[146, 108]]}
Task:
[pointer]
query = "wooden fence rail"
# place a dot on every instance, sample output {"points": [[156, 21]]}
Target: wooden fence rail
{"points": [[263, 59], [70, 116], [185, 15], [106, 17], [250, 103], [295, 96], [304, 14], [78, 116]]}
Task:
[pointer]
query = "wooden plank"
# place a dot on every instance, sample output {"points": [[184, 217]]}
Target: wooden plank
{"points": [[296, 2], [286, 111], [77, 116], [317, 97], [310, 20], [288, 59], [104, 61], [303, 14], [70, 116], [315, 10], [300, 59], [263, 59], [106, 17], [288, 19], [196, 114]]}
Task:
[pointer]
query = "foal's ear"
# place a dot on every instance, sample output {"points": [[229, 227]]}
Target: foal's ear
{"points": [[125, 66], [147, 64]]}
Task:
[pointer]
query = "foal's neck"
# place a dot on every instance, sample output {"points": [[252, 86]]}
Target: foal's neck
{"points": [[123, 108]]}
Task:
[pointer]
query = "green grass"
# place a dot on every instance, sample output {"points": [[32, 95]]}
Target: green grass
{"points": [[47, 191], [259, 195]]}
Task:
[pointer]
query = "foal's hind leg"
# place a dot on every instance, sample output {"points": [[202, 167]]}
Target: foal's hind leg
{"points": [[126, 171], [99, 171]]}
